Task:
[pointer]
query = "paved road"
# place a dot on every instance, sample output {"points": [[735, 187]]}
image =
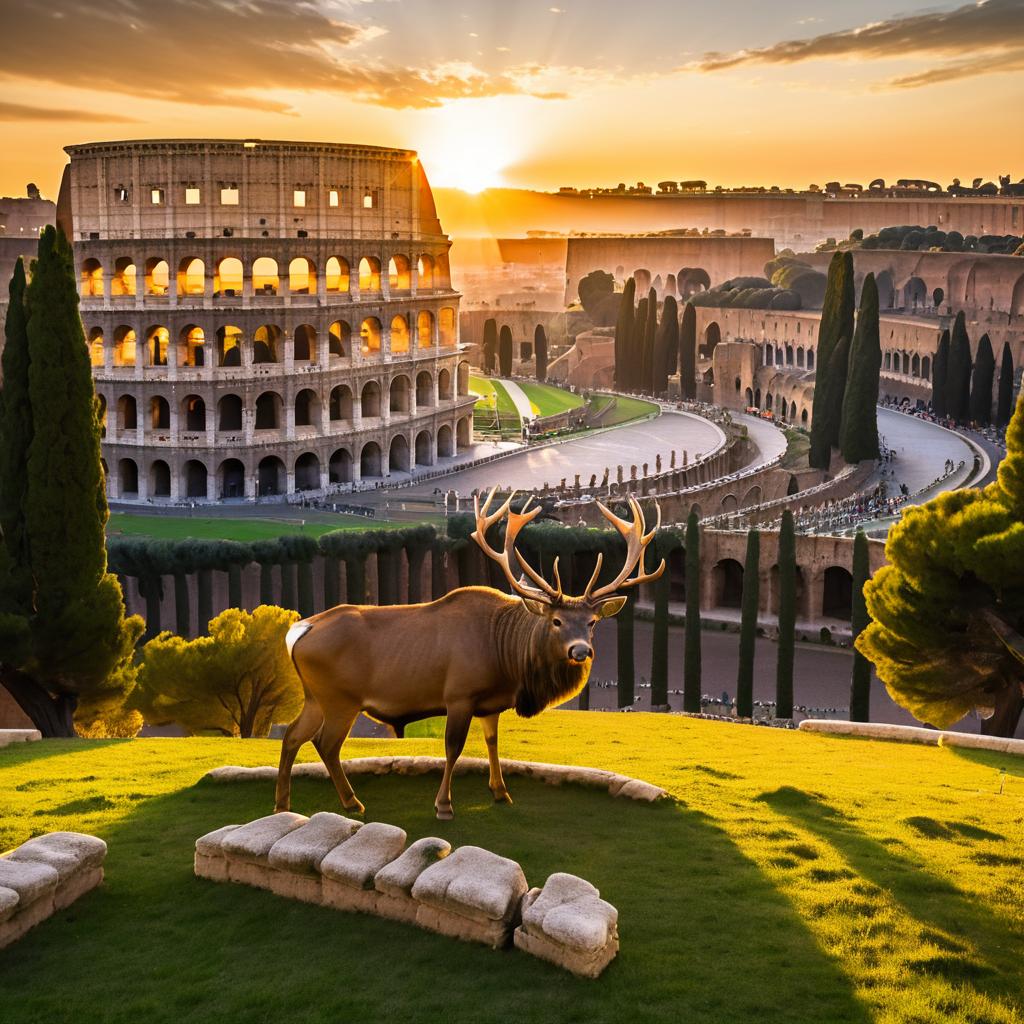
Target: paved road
{"points": [[922, 449], [770, 440]]}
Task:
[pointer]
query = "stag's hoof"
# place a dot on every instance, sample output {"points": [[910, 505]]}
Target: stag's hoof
{"points": [[354, 805], [502, 798], [445, 813]]}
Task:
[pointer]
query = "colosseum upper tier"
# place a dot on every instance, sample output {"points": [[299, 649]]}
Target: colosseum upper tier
{"points": [[264, 318]]}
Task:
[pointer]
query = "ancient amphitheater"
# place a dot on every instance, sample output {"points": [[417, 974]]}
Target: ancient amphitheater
{"points": [[264, 318]]}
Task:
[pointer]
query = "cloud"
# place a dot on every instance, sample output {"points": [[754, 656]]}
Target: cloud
{"points": [[24, 112], [240, 53], [991, 31]]}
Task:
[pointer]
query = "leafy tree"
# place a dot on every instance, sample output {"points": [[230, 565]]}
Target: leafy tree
{"points": [[691, 656], [540, 352], [948, 609], [624, 333], [1004, 404], [836, 325], [748, 626], [981, 383], [787, 616], [940, 372], [860, 683], [505, 351], [688, 353], [490, 343], [74, 639], [597, 285], [958, 374], [238, 681], [858, 435]]}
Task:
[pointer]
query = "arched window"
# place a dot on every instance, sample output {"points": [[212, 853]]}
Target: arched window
{"points": [[446, 327], [340, 467], [425, 272], [123, 281], [191, 277], [196, 479], [128, 477], [229, 346], [400, 394], [369, 400], [159, 413], [194, 410], [229, 413], [304, 344], [265, 280], [399, 335], [232, 479], [370, 460], [228, 278], [159, 479], [464, 433], [96, 346], [444, 385], [444, 442], [800, 356], [307, 409], [337, 274], [307, 472], [424, 389], [157, 340], [810, 359], [398, 454], [399, 274], [425, 329], [92, 278], [158, 276], [369, 275], [424, 449], [340, 340], [191, 346], [369, 335], [301, 276], [266, 344], [127, 415], [341, 403], [268, 411]]}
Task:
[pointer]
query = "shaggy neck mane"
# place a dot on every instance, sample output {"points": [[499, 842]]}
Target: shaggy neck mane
{"points": [[522, 645]]}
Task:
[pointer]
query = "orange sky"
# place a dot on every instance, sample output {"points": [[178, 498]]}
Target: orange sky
{"points": [[533, 95]]}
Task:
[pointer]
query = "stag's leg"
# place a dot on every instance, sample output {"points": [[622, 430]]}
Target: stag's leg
{"points": [[302, 729], [328, 744], [496, 782], [455, 732]]}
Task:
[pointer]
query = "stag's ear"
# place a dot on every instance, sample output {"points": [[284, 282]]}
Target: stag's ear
{"points": [[536, 607], [611, 606]]}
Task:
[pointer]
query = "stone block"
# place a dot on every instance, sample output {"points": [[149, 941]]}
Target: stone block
{"points": [[580, 964], [341, 896], [253, 842], [214, 867], [303, 849], [473, 883], [637, 789], [357, 860], [446, 922], [210, 844], [9, 736], [77, 885], [27, 917], [8, 903], [397, 878], [68, 853], [31, 880]]}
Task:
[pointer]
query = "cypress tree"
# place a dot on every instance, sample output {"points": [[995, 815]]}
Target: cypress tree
{"points": [[958, 374], [836, 324], [80, 639], [634, 359], [748, 626], [624, 332], [940, 373], [858, 436], [666, 346], [505, 351], [860, 683], [659, 647], [624, 651], [1004, 406], [981, 383], [650, 336], [833, 388], [787, 617], [691, 657], [540, 352], [688, 353], [490, 343]]}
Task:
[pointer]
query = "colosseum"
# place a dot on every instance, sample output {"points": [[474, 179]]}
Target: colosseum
{"points": [[264, 318]]}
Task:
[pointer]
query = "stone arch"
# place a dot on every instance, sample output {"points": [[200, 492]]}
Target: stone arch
{"points": [[915, 294], [752, 497], [464, 433], [425, 272], [1017, 298], [159, 479], [887, 360], [399, 273], [757, 397], [792, 411], [424, 389], [712, 336], [92, 278], [462, 381], [750, 398], [196, 479], [96, 354], [191, 346], [341, 403], [793, 486], [339, 469], [158, 276], [231, 474], [837, 593], [229, 413], [727, 578], [789, 355], [266, 344], [127, 413], [159, 413], [269, 408], [265, 277], [228, 278], [424, 449], [370, 335], [307, 408], [779, 358], [803, 417], [691, 280], [800, 357], [370, 460], [369, 400], [229, 345], [302, 276], [444, 385], [270, 476], [400, 394], [123, 282], [337, 275], [446, 331], [191, 277], [398, 454], [158, 340], [304, 344], [340, 344], [193, 414], [915, 366], [810, 359], [399, 335], [445, 448], [886, 290], [425, 329], [369, 275], [307, 472], [127, 477], [729, 503]]}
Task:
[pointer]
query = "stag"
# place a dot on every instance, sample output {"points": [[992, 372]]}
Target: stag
{"points": [[473, 653]]}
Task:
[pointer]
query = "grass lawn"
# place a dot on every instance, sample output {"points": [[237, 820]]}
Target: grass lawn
{"points": [[547, 400], [626, 409], [494, 396], [177, 527], [798, 444], [794, 878]]}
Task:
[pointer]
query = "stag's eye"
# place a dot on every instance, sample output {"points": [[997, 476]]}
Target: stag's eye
{"points": [[556, 622]]}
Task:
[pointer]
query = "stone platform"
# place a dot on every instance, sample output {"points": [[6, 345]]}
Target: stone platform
{"points": [[9, 736]]}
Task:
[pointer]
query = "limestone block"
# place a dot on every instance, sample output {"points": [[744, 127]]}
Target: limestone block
{"points": [[341, 896], [303, 849], [395, 908], [246, 872], [473, 883], [369, 766], [397, 878], [636, 789], [214, 867], [307, 770], [67, 852], [27, 917], [974, 741], [210, 844], [872, 730], [8, 903], [31, 880], [253, 842], [77, 885], [586, 966], [9, 736], [357, 860], [293, 885], [446, 922]]}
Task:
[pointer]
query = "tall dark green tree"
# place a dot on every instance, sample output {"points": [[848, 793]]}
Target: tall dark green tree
{"points": [[650, 336], [981, 382], [625, 642], [860, 682], [490, 344], [540, 352], [688, 352], [833, 388], [666, 346], [940, 372], [634, 366], [79, 640], [1004, 404], [787, 616], [505, 348], [836, 324], [858, 434], [624, 332], [958, 375], [748, 626], [691, 655]]}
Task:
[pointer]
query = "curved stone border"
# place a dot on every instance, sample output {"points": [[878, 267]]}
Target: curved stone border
{"points": [[914, 734], [552, 774], [44, 875], [9, 736], [469, 893]]}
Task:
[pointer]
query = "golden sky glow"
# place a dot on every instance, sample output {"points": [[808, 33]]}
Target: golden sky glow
{"points": [[521, 94]]}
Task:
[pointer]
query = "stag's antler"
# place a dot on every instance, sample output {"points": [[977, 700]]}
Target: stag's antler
{"points": [[516, 521], [636, 543]]}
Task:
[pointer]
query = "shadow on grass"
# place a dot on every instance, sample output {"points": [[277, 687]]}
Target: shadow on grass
{"points": [[984, 953], [705, 936]]}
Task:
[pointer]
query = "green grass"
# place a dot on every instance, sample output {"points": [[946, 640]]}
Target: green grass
{"points": [[179, 526], [626, 409], [548, 400], [494, 397], [798, 444], [794, 878]]}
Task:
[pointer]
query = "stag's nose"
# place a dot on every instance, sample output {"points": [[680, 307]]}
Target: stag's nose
{"points": [[580, 652]]}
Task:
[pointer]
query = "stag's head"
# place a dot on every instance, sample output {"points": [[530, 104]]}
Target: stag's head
{"points": [[570, 620]]}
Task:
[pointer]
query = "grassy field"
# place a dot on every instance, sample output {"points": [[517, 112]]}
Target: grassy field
{"points": [[798, 444], [493, 397], [626, 409], [793, 878], [547, 400], [177, 527]]}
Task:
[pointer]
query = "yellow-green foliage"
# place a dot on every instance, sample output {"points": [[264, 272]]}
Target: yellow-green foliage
{"points": [[949, 606], [238, 681], [794, 878]]}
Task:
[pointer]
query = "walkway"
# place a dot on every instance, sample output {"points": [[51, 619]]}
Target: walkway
{"points": [[519, 399], [770, 440]]}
